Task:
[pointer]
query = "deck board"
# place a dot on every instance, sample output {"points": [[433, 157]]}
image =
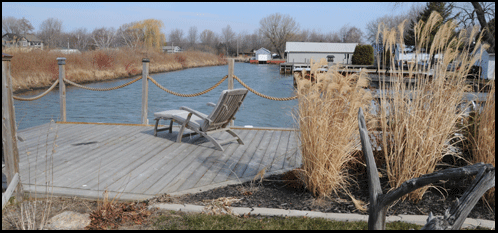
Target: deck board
{"points": [[251, 150], [227, 168], [277, 162], [213, 167], [253, 164], [130, 161]]}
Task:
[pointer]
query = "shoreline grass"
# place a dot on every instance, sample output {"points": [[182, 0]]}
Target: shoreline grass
{"points": [[37, 69]]}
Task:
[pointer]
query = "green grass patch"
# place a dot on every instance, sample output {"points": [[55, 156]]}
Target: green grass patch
{"points": [[182, 221]]}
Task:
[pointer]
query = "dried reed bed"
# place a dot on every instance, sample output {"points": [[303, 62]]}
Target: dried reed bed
{"points": [[327, 117], [419, 121], [38, 68]]}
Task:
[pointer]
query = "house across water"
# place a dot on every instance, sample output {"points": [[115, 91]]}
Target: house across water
{"points": [[299, 54]]}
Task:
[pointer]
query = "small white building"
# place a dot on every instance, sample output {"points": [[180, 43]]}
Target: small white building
{"points": [[263, 54], [65, 51], [487, 64], [302, 52], [491, 66], [171, 49]]}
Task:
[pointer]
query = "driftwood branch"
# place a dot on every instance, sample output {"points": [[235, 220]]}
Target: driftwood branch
{"points": [[454, 217]]}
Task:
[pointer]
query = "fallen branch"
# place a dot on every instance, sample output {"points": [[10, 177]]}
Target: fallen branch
{"points": [[453, 218]]}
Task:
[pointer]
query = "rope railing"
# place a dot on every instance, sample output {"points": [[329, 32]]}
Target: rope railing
{"points": [[187, 95], [102, 89], [263, 95], [39, 96]]}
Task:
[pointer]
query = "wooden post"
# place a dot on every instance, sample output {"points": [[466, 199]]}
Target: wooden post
{"points": [[61, 61], [230, 73], [9, 134], [145, 89], [230, 79]]}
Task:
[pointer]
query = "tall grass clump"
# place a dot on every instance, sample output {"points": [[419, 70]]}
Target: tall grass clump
{"points": [[327, 117], [419, 121], [480, 136]]}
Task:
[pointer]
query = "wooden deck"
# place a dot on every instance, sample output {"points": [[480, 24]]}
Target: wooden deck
{"points": [[133, 164]]}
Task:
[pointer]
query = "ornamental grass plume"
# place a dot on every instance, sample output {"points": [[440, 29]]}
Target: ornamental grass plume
{"points": [[327, 118], [479, 133], [418, 122]]}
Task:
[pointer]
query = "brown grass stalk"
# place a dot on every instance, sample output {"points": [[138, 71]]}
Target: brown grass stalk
{"points": [[419, 121], [328, 125], [480, 136]]}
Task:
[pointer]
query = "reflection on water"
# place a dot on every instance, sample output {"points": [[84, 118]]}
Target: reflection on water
{"points": [[124, 105]]}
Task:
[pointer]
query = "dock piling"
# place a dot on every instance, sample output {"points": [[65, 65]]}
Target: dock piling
{"points": [[61, 61], [9, 130], [145, 89]]}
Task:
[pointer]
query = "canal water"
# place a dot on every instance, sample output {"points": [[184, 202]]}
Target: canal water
{"points": [[124, 105]]}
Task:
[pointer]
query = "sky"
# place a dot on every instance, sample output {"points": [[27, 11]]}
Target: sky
{"points": [[241, 16]]}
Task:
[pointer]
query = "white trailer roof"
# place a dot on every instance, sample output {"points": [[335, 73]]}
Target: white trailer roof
{"points": [[320, 47]]}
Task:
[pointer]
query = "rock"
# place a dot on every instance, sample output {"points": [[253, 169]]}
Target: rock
{"points": [[69, 220]]}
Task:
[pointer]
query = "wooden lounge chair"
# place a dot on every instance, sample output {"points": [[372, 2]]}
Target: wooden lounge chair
{"points": [[202, 124]]}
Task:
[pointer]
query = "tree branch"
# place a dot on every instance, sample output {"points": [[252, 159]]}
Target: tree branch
{"points": [[453, 218]]}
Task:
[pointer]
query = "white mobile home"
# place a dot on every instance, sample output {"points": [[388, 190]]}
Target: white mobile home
{"points": [[302, 52]]}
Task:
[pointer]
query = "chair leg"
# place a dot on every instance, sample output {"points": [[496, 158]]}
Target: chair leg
{"points": [[155, 127], [211, 139], [184, 124], [171, 126], [239, 140]]}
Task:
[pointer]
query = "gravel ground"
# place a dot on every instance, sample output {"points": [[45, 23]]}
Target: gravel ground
{"points": [[276, 192]]}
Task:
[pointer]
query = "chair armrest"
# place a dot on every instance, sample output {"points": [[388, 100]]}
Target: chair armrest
{"points": [[211, 104], [197, 113]]}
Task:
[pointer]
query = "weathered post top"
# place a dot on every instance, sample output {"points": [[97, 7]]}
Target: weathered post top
{"points": [[61, 60], [145, 60], [6, 57]]}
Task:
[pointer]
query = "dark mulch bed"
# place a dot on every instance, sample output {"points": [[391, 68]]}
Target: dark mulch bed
{"points": [[276, 192]]}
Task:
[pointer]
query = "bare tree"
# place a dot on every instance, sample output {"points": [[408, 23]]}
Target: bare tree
{"points": [[25, 26], [349, 34], [103, 37], [228, 37], [50, 31], [387, 21], [10, 25], [192, 36], [129, 36], [482, 10], [278, 29], [333, 37], [80, 38], [468, 12], [176, 37], [258, 40], [207, 37], [467, 15]]}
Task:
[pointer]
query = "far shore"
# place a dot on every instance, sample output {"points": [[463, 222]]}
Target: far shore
{"points": [[21, 91], [38, 69]]}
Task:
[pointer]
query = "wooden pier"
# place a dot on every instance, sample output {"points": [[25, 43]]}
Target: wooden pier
{"points": [[132, 164]]}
